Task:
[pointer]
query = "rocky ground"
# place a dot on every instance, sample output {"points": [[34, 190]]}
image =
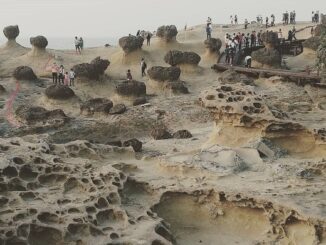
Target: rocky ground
{"points": [[184, 155]]}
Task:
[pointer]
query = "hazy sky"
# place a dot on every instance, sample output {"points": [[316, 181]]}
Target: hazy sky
{"points": [[114, 18]]}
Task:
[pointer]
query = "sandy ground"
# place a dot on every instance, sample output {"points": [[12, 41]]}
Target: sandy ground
{"points": [[228, 184]]}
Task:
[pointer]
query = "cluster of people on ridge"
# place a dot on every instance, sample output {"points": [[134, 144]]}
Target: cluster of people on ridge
{"points": [[79, 44], [145, 35], [315, 17], [289, 18], [60, 76]]}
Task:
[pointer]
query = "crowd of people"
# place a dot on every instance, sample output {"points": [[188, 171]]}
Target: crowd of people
{"points": [[60, 76], [79, 44], [234, 20], [289, 18]]}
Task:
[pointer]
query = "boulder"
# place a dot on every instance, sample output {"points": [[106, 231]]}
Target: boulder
{"points": [[93, 70], [131, 88], [139, 101], [100, 65], [118, 109], [175, 57], [134, 143], [182, 134], [160, 134], [320, 29], [267, 57], [39, 42], [24, 73], [161, 74], [270, 38], [131, 43], [36, 115], [59, 92], [176, 87], [231, 76], [167, 33], [11, 32], [213, 45], [97, 105]]}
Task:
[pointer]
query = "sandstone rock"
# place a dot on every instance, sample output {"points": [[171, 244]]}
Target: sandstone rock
{"points": [[11, 32], [176, 87], [213, 45], [161, 74], [33, 115], [131, 88], [39, 42], [270, 38], [99, 105], [175, 57], [267, 56], [118, 109], [230, 77], [117, 143], [135, 144], [167, 33], [100, 65], [131, 43], [59, 92], [160, 134], [92, 71], [139, 101], [24, 73], [182, 134]]}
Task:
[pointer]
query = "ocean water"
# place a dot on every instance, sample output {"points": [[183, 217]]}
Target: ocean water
{"points": [[64, 43]]}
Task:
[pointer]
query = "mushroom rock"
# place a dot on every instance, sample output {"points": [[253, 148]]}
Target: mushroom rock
{"points": [[39, 44], [167, 33], [24, 73], [213, 46], [175, 57], [59, 92], [131, 43]]}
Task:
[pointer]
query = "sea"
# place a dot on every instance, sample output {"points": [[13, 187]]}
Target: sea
{"points": [[65, 43]]}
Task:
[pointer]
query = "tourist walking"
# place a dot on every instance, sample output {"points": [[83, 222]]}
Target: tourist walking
{"points": [[246, 24], [267, 21], [272, 20], [236, 19], [72, 76], [143, 67], [231, 19], [55, 70], [129, 76], [77, 45], [148, 38], [61, 74]]}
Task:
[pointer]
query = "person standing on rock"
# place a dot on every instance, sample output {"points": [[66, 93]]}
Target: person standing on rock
{"points": [[208, 32], [77, 45], [246, 24], [248, 61], [143, 67], [236, 19], [129, 76], [148, 38], [272, 20], [72, 77], [55, 70], [61, 74]]}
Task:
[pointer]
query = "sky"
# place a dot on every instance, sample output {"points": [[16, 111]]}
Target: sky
{"points": [[116, 18]]}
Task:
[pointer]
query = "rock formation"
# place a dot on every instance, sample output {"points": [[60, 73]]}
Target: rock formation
{"points": [[24, 73], [167, 78], [160, 133], [182, 134], [39, 44], [131, 43], [118, 109], [213, 46], [2, 90], [93, 70], [230, 77], [167, 33], [175, 58], [59, 92], [40, 116], [97, 105], [131, 88], [11, 33], [268, 56], [135, 144]]}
